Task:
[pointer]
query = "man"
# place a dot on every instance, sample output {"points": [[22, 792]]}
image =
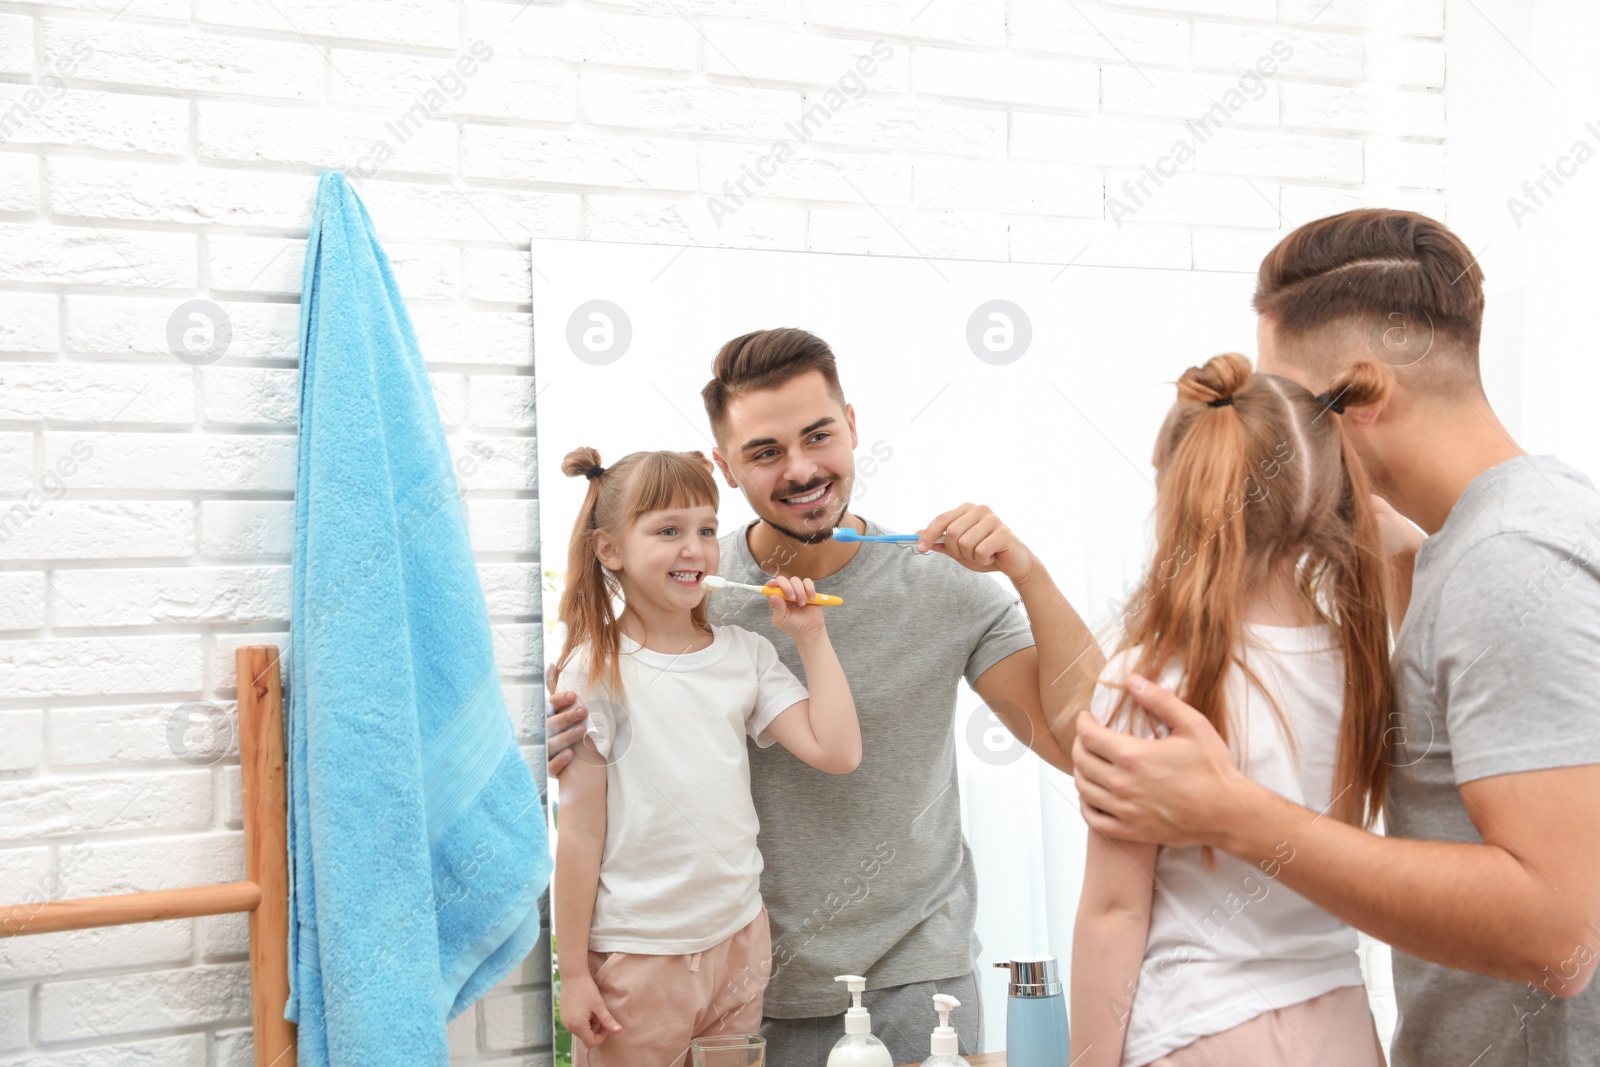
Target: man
{"points": [[1492, 865], [868, 873]]}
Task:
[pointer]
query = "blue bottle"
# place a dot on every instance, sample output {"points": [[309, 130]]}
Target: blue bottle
{"points": [[1036, 1014]]}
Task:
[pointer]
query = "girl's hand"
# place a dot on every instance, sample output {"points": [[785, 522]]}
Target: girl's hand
{"points": [[791, 613], [583, 1011], [1401, 537]]}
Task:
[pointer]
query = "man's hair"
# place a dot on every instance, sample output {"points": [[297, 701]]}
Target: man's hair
{"points": [[1398, 281], [765, 359]]}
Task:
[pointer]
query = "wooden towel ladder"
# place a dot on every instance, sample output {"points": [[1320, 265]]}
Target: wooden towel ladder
{"points": [[264, 893]]}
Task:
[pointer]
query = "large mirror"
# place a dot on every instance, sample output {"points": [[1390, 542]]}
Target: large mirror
{"points": [[1035, 389]]}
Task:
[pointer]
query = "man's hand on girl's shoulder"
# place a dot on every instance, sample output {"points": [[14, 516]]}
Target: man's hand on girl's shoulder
{"points": [[1183, 789], [563, 729]]}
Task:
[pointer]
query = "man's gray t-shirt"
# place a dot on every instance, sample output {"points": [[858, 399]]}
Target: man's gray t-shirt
{"points": [[868, 873], [1497, 667]]}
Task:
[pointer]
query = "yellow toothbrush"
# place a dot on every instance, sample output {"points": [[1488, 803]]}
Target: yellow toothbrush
{"points": [[712, 581]]}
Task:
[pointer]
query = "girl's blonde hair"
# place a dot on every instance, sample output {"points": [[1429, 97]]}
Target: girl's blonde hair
{"points": [[637, 483], [1254, 473]]}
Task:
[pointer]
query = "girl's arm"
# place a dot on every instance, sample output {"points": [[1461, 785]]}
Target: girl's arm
{"points": [[822, 730], [1108, 943], [580, 841]]}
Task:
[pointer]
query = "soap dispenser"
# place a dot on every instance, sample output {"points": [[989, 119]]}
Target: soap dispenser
{"points": [[1036, 1013], [945, 1052], [858, 1048]]}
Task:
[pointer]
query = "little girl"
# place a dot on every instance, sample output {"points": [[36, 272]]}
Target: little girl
{"points": [[1265, 609], [660, 930]]}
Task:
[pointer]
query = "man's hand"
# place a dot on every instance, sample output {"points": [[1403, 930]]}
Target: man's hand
{"points": [[1180, 790], [975, 537], [563, 729]]}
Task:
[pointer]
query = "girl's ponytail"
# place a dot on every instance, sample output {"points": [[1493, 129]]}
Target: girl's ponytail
{"points": [[1199, 516], [587, 599], [1358, 583], [1361, 385], [1204, 467]]}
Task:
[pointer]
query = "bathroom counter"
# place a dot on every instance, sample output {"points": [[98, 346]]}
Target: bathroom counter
{"points": [[982, 1059]]}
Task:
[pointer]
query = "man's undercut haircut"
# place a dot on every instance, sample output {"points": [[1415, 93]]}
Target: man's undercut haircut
{"points": [[1376, 283], [765, 359]]}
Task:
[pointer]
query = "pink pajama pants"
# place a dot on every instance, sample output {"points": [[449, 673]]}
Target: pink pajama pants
{"points": [[664, 1002], [1333, 1030]]}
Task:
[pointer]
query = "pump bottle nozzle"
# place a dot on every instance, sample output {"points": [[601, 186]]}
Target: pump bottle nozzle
{"points": [[857, 1020], [944, 1036]]}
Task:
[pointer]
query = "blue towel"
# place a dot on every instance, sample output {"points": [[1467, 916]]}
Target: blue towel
{"points": [[417, 838]]}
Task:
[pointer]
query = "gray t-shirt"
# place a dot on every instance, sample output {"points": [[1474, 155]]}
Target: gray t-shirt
{"points": [[1497, 667], [868, 873]]}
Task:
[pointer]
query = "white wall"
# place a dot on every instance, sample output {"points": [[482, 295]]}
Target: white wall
{"points": [[1522, 95], [170, 153]]}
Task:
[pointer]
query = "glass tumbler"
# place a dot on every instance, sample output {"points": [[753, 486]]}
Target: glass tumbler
{"points": [[729, 1050]]}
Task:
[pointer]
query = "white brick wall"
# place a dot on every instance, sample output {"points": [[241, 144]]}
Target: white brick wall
{"points": [[156, 151]]}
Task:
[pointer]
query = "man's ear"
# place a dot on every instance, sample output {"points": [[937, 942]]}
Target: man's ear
{"points": [[722, 465], [1365, 416], [850, 420], [1395, 402]]}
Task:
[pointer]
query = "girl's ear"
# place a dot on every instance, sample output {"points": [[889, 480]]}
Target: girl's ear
{"points": [[605, 551]]}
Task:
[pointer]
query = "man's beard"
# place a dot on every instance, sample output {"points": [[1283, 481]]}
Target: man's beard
{"points": [[815, 536]]}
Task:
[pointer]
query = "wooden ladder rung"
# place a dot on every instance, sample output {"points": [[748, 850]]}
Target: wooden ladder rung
{"points": [[156, 906]]}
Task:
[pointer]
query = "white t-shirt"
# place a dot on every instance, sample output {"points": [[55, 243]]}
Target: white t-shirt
{"points": [[680, 870], [1230, 943]]}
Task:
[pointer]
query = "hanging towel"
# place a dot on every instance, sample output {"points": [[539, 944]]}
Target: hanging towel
{"points": [[418, 848]]}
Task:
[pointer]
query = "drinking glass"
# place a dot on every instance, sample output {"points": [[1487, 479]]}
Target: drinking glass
{"points": [[729, 1050]]}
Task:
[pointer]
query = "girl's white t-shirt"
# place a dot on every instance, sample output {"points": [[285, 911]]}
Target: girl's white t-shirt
{"points": [[680, 871], [1230, 943]]}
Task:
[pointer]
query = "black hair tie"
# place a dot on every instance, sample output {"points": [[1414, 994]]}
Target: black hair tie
{"points": [[1331, 402], [1220, 402], [595, 471]]}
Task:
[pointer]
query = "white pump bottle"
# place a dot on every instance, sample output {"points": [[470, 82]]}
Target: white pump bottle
{"points": [[858, 1048], [945, 1051]]}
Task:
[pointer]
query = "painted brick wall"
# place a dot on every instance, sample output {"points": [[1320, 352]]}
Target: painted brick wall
{"points": [[155, 152]]}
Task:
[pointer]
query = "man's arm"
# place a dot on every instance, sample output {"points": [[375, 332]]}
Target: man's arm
{"points": [[1522, 906], [1033, 691], [1069, 658], [1011, 690]]}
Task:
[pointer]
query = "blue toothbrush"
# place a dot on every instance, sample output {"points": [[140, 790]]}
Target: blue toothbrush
{"points": [[845, 533]]}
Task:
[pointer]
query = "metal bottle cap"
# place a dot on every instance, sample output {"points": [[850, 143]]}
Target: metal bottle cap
{"points": [[1033, 976]]}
